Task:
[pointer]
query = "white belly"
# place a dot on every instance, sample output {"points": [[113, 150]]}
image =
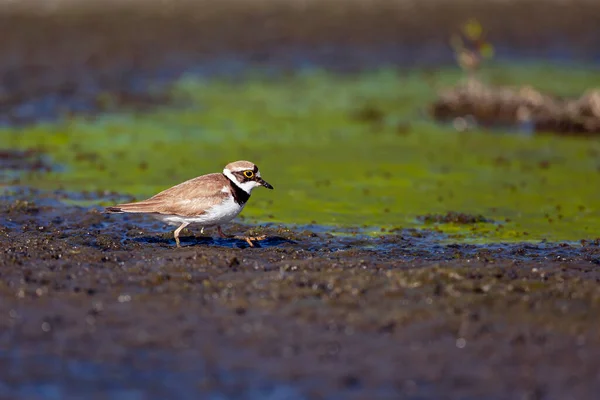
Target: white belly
{"points": [[217, 215]]}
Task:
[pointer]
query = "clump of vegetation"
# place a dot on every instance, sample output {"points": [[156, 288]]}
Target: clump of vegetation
{"points": [[369, 114], [453, 217], [523, 107]]}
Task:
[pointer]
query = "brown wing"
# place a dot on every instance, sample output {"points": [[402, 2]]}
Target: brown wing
{"points": [[190, 198]]}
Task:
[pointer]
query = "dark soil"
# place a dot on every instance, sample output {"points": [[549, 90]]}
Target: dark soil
{"points": [[106, 303]]}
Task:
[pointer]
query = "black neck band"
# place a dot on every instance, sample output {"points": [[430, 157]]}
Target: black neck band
{"points": [[239, 195]]}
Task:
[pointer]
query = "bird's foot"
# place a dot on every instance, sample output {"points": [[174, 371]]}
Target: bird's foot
{"points": [[247, 239], [250, 239]]}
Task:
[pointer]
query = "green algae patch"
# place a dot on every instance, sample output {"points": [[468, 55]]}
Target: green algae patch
{"points": [[340, 150]]}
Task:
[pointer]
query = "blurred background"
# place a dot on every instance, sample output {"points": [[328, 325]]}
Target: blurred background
{"points": [[409, 108], [436, 134]]}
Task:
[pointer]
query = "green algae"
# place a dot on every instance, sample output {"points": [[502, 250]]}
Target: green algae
{"points": [[341, 150]]}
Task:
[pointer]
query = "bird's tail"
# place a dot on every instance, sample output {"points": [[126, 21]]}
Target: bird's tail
{"points": [[146, 206]]}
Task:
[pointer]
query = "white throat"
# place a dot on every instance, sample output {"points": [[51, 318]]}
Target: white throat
{"points": [[245, 186]]}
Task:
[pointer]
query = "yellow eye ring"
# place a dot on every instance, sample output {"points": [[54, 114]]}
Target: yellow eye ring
{"points": [[248, 174]]}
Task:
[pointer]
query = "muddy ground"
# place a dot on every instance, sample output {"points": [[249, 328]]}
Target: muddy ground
{"points": [[92, 301]]}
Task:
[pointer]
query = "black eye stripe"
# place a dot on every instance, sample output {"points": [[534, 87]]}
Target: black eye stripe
{"points": [[241, 175]]}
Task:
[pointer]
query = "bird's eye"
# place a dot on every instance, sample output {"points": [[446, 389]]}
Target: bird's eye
{"points": [[248, 174]]}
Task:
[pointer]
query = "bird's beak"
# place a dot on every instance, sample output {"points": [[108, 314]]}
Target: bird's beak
{"points": [[264, 183]]}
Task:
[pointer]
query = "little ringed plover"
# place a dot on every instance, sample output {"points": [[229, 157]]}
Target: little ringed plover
{"points": [[208, 200]]}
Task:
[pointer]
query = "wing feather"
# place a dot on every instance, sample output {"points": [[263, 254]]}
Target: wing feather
{"points": [[190, 198]]}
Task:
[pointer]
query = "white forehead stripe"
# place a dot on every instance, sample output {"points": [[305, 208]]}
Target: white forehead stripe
{"points": [[228, 174]]}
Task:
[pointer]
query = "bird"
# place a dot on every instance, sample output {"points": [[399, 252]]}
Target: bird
{"points": [[208, 200]]}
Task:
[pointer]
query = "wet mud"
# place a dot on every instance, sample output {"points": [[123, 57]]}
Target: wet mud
{"points": [[91, 301]]}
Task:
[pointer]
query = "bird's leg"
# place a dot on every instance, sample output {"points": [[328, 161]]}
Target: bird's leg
{"points": [[176, 233], [248, 239], [221, 234]]}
